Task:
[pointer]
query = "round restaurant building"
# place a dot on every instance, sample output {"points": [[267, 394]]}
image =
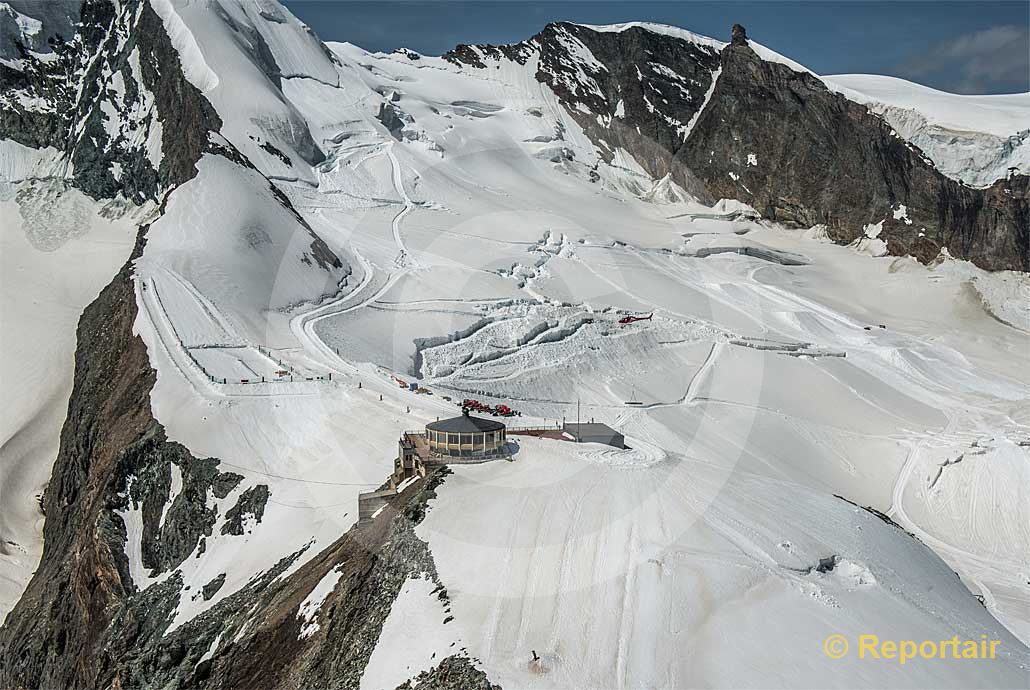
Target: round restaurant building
{"points": [[466, 436]]}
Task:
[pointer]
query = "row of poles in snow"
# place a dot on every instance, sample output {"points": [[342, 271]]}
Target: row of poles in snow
{"points": [[224, 380]]}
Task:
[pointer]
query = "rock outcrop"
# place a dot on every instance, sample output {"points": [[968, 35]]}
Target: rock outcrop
{"points": [[99, 614], [801, 154], [738, 35], [726, 123], [82, 613]]}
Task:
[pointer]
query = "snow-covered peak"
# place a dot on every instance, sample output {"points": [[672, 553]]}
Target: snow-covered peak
{"points": [[1001, 114], [244, 55], [663, 29], [974, 138], [698, 39]]}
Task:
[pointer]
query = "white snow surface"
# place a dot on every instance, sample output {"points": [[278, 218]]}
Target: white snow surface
{"points": [[19, 163], [57, 251], [976, 139], [309, 608], [489, 251], [414, 637], [680, 575], [1001, 115]]}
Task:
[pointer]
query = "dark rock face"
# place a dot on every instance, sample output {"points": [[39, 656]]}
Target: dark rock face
{"points": [[55, 634], [37, 96], [738, 35], [646, 87], [250, 506], [252, 638], [42, 103], [170, 534], [771, 137], [211, 588], [820, 158], [453, 673]]}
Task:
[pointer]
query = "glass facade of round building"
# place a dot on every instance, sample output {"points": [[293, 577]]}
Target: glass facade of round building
{"points": [[466, 436]]}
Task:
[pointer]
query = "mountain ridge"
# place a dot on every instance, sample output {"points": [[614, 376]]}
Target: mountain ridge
{"points": [[352, 221], [986, 225]]}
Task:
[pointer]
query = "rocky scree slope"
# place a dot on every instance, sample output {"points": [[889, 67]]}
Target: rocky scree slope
{"points": [[725, 123]]}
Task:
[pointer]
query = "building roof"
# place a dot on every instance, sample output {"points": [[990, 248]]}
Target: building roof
{"points": [[595, 432], [465, 424], [589, 428]]}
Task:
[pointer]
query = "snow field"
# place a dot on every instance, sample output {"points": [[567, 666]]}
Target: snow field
{"points": [[43, 288], [478, 253], [472, 269], [642, 577]]}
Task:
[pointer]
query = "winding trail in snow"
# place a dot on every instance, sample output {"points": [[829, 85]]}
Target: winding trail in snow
{"points": [[404, 259], [303, 325], [976, 567]]}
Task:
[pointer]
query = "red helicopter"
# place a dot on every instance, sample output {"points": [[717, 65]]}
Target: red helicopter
{"points": [[631, 319]]}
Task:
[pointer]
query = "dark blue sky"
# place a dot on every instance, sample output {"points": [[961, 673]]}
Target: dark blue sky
{"points": [[966, 47]]}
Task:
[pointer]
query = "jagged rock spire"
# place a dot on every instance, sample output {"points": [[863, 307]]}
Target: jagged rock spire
{"points": [[738, 35]]}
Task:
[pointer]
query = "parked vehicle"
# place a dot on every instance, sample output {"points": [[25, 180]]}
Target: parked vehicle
{"points": [[631, 319]]}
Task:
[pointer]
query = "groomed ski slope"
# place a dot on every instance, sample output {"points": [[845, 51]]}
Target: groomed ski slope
{"points": [[479, 258]]}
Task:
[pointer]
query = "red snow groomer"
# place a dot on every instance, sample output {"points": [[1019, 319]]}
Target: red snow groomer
{"points": [[504, 411], [633, 319]]}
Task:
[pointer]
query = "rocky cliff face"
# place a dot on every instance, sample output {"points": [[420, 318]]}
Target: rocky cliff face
{"points": [[85, 621], [725, 123], [82, 608], [800, 154], [100, 98], [99, 613], [38, 74]]}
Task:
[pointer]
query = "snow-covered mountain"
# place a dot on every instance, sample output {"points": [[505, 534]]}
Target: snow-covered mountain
{"points": [[975, 139], [738, 121], [822, 434]]}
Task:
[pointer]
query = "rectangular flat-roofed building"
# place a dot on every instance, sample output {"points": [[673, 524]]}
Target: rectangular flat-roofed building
{"points": [[594, 432]]}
